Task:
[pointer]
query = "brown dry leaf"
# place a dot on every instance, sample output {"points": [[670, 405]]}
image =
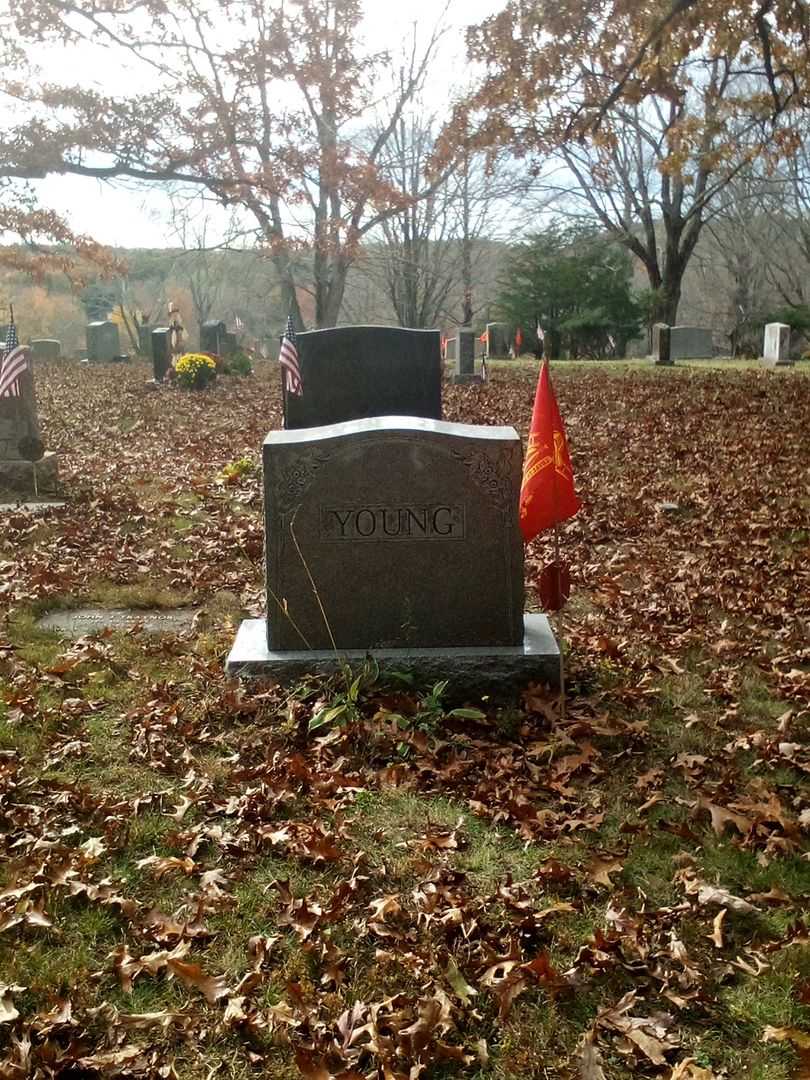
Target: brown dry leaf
{"points": [[589, 1059], [688, 1070], [8, 1010], [799, 1039], [717, 928], [648, 1033], [384, 906], [601, 867], [211, 987], [167, 864], [713, 894], [721, 818]]}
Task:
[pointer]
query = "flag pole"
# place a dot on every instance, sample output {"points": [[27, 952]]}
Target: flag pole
{"points": [[558, 565]]}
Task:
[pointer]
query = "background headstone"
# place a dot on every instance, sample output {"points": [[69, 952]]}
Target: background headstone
{"points": [[465, 349], [145, 339], [691, 343], [498, 340], [46, 349], [161, 352], [776, 351], [408, 528], [212, 336], [103, 341], [355, 372], [19, 438], [662, 344]]}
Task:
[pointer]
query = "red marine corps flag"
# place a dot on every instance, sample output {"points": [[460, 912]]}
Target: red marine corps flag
{"points": [[547, 494]]}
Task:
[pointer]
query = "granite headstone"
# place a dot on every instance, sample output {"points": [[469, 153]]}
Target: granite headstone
{"points": [[396, 535], [691, 343], [776, 351], [145, 340], [103, 341], [355, 372], [212, 337], [161, 352], [24, 466], [46, 349], [465, 349], [662, 344], [497, 340]]}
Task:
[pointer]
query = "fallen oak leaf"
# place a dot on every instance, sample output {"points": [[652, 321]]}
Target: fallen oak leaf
{"points": [[721, 818], [601, 867], [689, 1070], [712, 894], [211, 987], [590, 1060], [799, 1039]]}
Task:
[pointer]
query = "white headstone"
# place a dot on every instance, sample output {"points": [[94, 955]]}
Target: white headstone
{"points": [[777, 344]]}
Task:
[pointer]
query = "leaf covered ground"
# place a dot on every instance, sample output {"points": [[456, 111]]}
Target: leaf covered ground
{"points": [[192, 886]]}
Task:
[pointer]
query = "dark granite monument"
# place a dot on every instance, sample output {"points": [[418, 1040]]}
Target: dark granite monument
{"points": [[465, 350], [662, 345], [161, 352], [46, 349], [354, 372], [24, 465], [398, 536], [103, 342]]}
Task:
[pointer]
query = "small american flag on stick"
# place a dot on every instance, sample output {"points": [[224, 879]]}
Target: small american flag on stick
{"points": [[13, 364], [288, 358]]}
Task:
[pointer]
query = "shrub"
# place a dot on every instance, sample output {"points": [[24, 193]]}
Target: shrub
{"points": [[195, 371], [239, 363]]}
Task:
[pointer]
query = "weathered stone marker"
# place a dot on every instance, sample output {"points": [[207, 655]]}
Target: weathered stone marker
{"points": [[103, 341], [46, 349], [24, 466], [355, 372], [465, 350], [662, 345], [776, 351], [397, 536]]}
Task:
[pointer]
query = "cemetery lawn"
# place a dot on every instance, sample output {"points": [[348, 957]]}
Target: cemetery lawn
{"points": [[194, 886]]}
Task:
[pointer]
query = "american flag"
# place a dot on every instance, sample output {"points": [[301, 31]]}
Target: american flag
{"points": [[288, 358], [13, 363]]}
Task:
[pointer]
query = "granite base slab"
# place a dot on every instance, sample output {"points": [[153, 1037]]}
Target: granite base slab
{"points": [[19, 475], [466, 380], [479, 669], [775, 363]]}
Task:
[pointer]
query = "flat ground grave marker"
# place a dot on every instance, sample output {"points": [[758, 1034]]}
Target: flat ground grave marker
{"points": [[77, 622], [396, 536], [355, 372]]}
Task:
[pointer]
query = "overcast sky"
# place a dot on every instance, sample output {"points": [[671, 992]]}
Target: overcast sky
{"points": [[126, 216]]}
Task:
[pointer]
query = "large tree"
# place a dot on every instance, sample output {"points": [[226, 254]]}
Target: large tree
{"points": [[259, 104], [648, 119]]}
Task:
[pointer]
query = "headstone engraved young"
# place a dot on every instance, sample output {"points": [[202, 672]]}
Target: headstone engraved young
{"points": [[103, 341], [691, 343], [497, 341], [776, 351], [466, 357], [46, 349], [662, 345], [355, 372], [24, 465], [161, 352], [397, 536]]}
